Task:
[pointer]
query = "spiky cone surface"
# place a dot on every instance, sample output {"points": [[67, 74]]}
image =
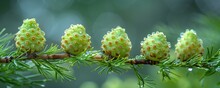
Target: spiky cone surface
{"points": [[75, 39], [30, 38], [116, 43], [155, 47], [188, 45]]}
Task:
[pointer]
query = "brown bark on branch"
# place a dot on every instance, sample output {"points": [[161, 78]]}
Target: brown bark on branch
{"points": [[97, 57]]}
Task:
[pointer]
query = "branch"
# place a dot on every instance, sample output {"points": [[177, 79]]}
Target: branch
{"points": [[97, 57], [49, 63], [8, 59]]}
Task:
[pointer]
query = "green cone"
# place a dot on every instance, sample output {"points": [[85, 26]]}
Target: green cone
{"points": [[188, 45], [75, 40], [155, 47], [116, 43], [30, 38]]}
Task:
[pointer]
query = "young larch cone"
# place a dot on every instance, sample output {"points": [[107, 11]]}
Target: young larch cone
{"points": [[188, 45], [116, 43], [30, 38], [155, 47], [75, 40]]}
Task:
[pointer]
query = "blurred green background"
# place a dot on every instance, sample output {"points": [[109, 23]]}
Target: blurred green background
{"points": [[138, 17]]}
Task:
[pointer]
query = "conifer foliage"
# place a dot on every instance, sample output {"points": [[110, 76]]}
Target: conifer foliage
{"points": [[52, 63]]}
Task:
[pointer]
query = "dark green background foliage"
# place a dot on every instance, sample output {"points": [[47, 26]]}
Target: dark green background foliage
{"points": [[138, 17]]}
